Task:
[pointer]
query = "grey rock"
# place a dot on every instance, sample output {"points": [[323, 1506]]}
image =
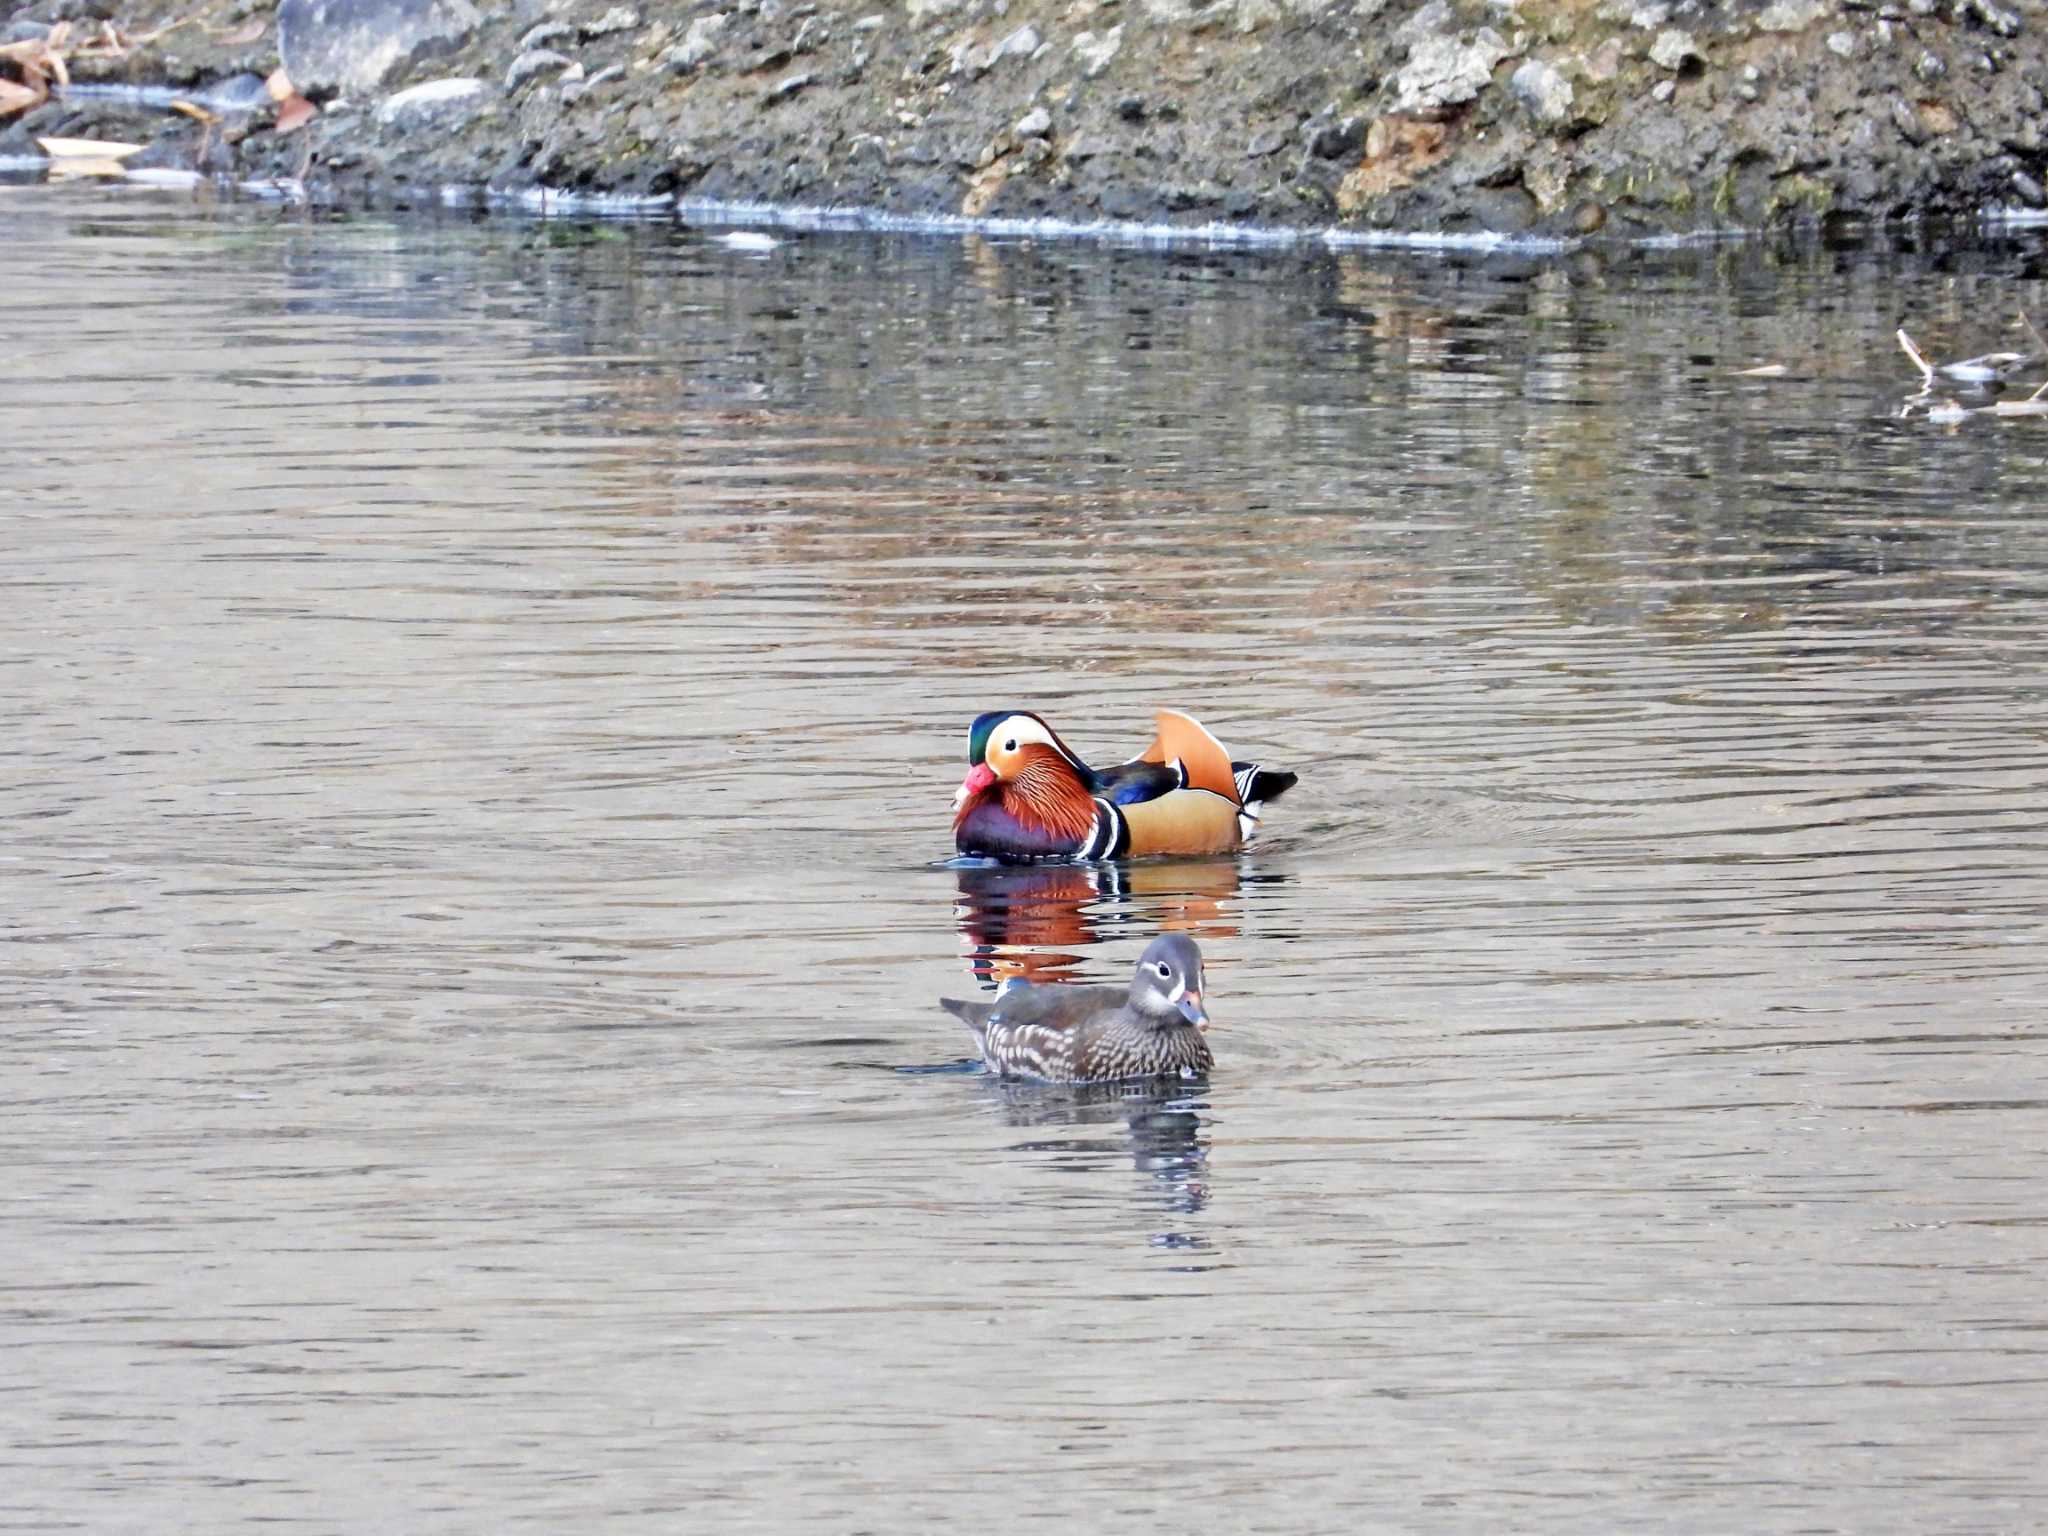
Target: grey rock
{"points": [[1744, 91], [1093, 52], [2005, 23], [1603, 63], [698, 44], [1336, 138], [1254, 14], [785, 88], [1211, 16], [1673, 50], [1543, 89], [535, 61], [815, 32], [1435, 17], [1020, 44], [1791, 15], [432, 100], [1662, 91], [355, 45], [1842, 44], [238, 93], [921, 11], [1907, 121], [1644, 17], [1035, 124], [619, 18], [1268, 142], [2028, 190], [545, 35], [1447, 71], [577, 90], [24, 31], [1930, 66], [870, 23]]}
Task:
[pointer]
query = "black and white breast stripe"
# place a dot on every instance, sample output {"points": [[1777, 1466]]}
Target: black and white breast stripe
{"points": [[1111, 837]]}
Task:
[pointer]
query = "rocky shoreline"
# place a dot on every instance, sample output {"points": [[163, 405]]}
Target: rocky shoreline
{"points": [[1567, 118]]}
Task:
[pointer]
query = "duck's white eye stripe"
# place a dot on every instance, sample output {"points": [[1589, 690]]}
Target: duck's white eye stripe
{"points": [[1022, 728], [1179, 991]]}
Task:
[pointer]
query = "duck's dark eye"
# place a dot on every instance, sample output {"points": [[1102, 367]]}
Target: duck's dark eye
{"points": [[1009, 746], [1163, 968]]}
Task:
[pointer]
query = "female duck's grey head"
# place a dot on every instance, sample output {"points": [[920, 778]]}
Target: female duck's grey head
{"points": [[1168, 983]]}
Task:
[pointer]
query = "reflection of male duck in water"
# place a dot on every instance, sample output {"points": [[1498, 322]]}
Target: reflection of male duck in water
{"points": [[1034, 921]]}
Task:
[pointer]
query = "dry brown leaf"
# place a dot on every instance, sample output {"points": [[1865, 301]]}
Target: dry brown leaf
{"points": [[295, 114], [18, 98], [192, 109], [280, 86], [88, 149]]}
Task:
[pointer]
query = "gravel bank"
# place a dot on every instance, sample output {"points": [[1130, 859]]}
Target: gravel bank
{"points": [[1545, 117]]}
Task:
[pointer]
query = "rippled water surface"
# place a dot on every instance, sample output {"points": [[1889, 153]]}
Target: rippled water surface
{"points": [[479, 708]]}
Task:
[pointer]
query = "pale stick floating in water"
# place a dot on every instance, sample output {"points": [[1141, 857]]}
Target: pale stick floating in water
{"points": [[1989, 371]]}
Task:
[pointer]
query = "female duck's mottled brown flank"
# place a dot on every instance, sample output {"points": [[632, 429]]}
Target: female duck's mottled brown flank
{"points": [[1067, 1034]]}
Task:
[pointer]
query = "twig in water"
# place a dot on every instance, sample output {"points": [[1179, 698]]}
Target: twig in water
{"points": [[1926, 368]]}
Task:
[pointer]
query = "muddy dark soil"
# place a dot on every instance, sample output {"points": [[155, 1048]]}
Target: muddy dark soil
{"points": [[1545, 116]]}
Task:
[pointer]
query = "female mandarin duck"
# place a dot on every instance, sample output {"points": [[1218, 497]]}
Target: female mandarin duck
{"points": [[1027, 796], [1067, 1034]]}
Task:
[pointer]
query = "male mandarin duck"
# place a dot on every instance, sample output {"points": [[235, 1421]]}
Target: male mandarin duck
{"points": [[1027, 796], [1068, 1034]]}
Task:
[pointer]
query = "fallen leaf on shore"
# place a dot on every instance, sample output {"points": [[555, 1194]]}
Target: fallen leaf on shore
{"points": [[279, 85], [294, 114], [1763, 371], [192, 109], [17, 98], [88, 149]]}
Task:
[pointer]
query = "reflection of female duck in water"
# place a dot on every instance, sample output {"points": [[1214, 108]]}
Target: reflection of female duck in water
{"points": [[1163, 1137]]}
